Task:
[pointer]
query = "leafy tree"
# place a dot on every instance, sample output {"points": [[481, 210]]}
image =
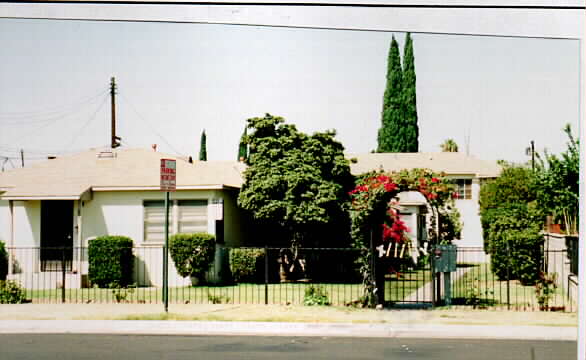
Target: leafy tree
{"points": [[297, 181], [391, 135], [203, 153], [558, 184], [410, 97], [242, 147], [449, 146]]}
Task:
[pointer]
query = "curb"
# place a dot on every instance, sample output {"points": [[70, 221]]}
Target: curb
{"points": [[240, 328]]}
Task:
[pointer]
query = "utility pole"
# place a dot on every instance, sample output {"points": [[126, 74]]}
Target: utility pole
{"points": [[115, 139], [22, 157]]}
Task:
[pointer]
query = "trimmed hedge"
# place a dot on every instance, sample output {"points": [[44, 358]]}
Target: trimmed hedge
{"points": [[515, 242], [3, 262], [247, 265], [192, 253], [110, 261], [11, 293]]}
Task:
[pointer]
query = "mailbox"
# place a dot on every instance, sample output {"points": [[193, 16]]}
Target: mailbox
{"points": [[444, 258]]}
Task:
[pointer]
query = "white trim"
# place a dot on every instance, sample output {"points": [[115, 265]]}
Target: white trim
{"points": [[157, 188], [42, 197]]}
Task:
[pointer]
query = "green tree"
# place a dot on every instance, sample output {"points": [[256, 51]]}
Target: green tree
{"points": [[203, 153], [242, 147], [391, 135], [297, 181], [558, 184], [410, 97], [449, 146]]}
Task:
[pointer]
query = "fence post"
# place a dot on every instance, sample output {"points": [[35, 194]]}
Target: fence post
{"points": [[266, 275], [63, 275], [508, 289], [508, 276]]}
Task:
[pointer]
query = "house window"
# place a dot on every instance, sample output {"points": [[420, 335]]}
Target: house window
{"points": [[185, 216], [193, 216], [464, 188], [154, 220]]}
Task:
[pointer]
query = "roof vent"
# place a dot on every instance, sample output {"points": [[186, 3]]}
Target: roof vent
{"points": [[106, 155]]}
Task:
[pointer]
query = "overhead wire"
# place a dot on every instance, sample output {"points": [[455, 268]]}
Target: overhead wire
{"points": [[35, 131], [75, 137], [56, 110], [149, 124]]}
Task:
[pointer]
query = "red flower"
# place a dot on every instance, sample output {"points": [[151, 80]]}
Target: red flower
{"points": [[390, 187], [434, 180]]}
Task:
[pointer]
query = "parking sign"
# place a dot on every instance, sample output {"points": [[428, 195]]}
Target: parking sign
{"points": [[168, 173]]}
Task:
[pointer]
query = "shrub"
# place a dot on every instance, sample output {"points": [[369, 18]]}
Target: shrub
{"points": [[11, 293], [247, 265], [315, 295], [545, 289], [514, 242], [192, 253], [110, 261], [3, 262]]}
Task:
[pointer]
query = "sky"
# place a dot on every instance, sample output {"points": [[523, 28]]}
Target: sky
{"points": [[492, 95]]}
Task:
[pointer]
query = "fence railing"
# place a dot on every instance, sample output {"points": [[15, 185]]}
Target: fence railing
{"points": [[273, 276]]}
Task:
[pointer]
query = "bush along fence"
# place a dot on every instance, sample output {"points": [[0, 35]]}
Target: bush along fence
{"points": [[269, 276]]}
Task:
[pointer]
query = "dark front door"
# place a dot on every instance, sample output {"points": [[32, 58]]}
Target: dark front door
{"points": [[56, 234]]}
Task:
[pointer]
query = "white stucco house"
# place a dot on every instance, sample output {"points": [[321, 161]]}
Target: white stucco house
{"points": [[66, 201], [467, 171]]}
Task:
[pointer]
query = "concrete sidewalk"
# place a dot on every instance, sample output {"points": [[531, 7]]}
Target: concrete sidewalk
{"points": [[274, 320]]}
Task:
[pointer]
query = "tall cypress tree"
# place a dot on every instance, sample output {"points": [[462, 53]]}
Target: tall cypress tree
{"points": [[391, 134], [242, 148], [203, 153], [410, 97]]}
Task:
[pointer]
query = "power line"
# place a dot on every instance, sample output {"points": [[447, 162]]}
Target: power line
{"points": [[149, 124], [41, 128], [51, 110], [75, 137]]}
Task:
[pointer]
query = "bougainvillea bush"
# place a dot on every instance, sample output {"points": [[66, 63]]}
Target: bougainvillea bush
{"points": [[374, 213]]}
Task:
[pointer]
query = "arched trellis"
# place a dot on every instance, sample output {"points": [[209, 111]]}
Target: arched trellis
{"points": [[372, 207]]}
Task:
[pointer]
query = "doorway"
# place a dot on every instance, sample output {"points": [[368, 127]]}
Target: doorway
{"points": [[56, 235]]}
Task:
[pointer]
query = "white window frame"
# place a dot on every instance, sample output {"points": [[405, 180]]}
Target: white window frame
{"points": [[464, 188], [175, 214]]}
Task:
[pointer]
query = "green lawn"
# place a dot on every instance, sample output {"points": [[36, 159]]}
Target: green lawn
{"points": [[481, 285], [280, 293]]}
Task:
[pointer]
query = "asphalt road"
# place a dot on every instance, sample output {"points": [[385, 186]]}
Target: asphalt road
{"points": [[101, 347]]}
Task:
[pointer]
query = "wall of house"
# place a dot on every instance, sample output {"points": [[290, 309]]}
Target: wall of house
{"points": [[27, 223], [122, 213], [469, 215]]}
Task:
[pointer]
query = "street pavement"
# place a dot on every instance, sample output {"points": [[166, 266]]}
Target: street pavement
{"points": [[101, 347]]}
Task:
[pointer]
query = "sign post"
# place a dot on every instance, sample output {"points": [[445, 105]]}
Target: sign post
{"points": [[168, 173]]}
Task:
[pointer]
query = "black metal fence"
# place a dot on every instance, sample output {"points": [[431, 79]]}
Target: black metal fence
{"points": [[279, 276]]}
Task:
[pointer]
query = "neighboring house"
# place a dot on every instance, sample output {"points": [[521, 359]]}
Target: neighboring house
{"points": [[66, 201], [467, 171]]}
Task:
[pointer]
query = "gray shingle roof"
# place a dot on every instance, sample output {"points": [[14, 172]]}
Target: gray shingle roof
{"points": [[127, 169], [451, 163]]}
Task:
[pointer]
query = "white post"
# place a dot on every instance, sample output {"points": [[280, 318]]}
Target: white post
{"points": [[11, 244], [582, 208]]}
